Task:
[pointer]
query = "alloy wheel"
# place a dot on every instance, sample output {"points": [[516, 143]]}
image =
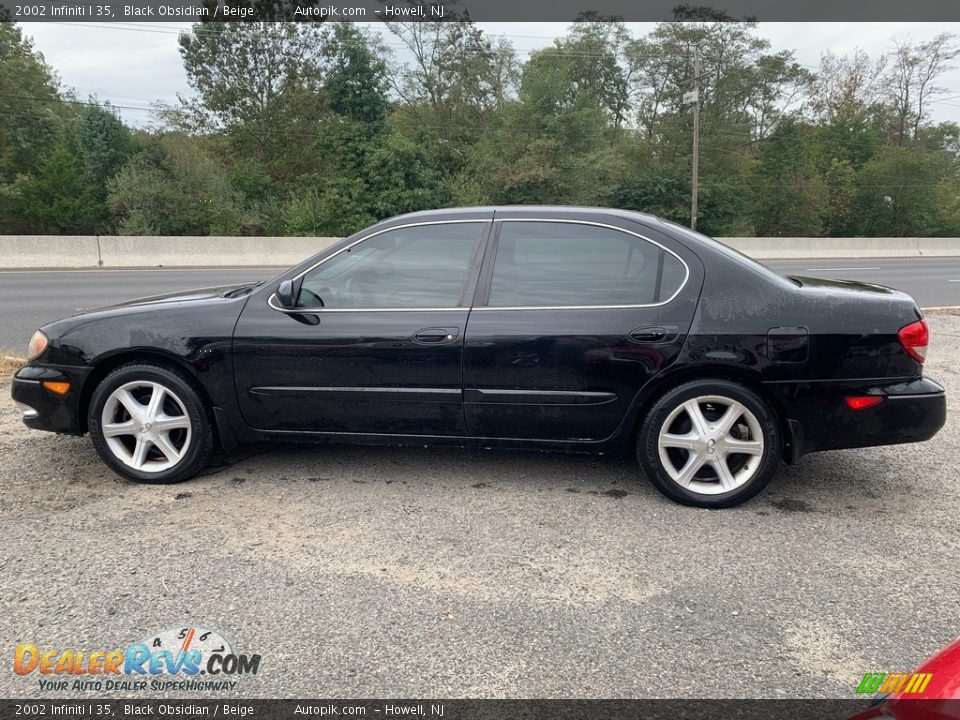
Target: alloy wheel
{"points": [[146, 426], [711, 444]]}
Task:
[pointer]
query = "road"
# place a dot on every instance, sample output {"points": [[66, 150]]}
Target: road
{"points": [[387, 572], [28, 299]]}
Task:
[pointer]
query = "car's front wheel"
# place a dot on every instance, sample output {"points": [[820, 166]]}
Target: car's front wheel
{"points": [[710, 443], [149, 424]]}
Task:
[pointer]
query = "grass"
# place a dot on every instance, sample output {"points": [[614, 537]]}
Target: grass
{"points": [[9, 365]]}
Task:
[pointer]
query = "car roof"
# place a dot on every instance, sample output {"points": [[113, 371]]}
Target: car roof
{"points": [[490, 211], [701, 245]]}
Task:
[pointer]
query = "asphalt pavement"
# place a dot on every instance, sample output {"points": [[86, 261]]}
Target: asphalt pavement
{"points": [[386, 572], [30, 298]]}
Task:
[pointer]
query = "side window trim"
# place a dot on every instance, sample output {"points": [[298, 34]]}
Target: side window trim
{"points": [[483, 289], [469, 277]]}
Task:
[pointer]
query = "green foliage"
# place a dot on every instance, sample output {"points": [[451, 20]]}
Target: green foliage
{"points": [[261, 83], [103, 145], [662, 190], [28, 90], [356, 85], [59, 198], [788, 194], [314, 129], [176, 187], [334, 208], [840, 203], [906, 192], [402, 176]]}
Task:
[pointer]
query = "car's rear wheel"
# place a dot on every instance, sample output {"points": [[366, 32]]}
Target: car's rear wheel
{"points": [[710, 443], [150, 425]]}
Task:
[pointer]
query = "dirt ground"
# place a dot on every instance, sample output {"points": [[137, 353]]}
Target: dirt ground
{"points": [[374, 572]]}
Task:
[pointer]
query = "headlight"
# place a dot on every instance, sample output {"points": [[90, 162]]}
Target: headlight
{"points": [[38, 343]]}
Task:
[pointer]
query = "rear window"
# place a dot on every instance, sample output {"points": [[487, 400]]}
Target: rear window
{"points": [[730, 252]]}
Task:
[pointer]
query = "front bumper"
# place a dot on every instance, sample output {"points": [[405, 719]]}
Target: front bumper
{"points": [[43, 409], [819, 419]]}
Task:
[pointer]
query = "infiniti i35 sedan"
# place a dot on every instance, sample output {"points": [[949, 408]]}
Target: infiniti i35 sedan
{"points": [[573, 329]]}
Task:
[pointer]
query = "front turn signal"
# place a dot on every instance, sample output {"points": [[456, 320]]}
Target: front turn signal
{"points": [[862, 402], [57, 388]]}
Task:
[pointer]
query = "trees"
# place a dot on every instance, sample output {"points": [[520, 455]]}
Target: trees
{"points": [[788, 193], [355, 87], [176, 187], [29, 90], [258, 82], [743, 87], [58, 198], [56, 153], [906, 192], [911, 80], [457, 75], [28, 125], [321, 129]]}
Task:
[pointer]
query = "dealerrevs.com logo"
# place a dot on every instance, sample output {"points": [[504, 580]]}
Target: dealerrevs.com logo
{"points": [[188, 658]]}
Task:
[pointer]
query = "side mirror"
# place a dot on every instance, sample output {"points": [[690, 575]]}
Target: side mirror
{"points": [[286, 295]]}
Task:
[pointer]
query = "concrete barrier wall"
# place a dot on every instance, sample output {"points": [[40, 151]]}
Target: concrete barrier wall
{"points": [[806, 248], [208, 251], [62, 251], [65, 251]]}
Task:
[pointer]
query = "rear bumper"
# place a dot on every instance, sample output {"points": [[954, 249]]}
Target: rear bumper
{"points": [[819, 419], [44, 410]]}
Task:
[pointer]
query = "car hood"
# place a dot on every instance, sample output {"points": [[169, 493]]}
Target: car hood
{"points": [[173, 301], [199, 294]]}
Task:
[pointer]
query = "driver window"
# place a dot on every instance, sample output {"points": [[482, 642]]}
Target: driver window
{"points": [[411, 267]]}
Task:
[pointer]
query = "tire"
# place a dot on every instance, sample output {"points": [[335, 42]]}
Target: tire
{"points": [[148, 437], [684, 458]]}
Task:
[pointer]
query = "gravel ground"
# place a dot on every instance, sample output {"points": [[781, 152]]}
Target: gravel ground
{"points": [[359, 572]]}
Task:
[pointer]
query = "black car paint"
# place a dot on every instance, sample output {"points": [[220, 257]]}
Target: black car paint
{"points": [[576, 379]]}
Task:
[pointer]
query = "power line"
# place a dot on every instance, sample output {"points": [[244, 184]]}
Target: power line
{"points": [[492, 126], [553, 50]]}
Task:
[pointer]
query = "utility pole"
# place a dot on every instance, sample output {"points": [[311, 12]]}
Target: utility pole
{"points": [[694, 97]]}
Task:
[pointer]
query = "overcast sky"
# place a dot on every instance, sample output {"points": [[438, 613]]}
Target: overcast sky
{"points": [[135, 64]]}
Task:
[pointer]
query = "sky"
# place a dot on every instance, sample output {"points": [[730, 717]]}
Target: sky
{"points": [[136, 64]]}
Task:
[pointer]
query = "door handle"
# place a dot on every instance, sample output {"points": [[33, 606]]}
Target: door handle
{"points": [[652, 335], [436, 336]]}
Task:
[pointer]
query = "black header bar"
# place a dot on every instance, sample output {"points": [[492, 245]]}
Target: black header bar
{"points": [[478, 10], [85, 708]]}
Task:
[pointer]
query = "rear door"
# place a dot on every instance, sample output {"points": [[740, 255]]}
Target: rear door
{"points": [[572, 318]]}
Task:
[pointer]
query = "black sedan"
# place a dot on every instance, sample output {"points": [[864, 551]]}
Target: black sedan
{"points": [[572, 329]]}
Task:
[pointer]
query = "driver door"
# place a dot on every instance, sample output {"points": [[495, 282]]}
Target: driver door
{"points": [[375, 343]]}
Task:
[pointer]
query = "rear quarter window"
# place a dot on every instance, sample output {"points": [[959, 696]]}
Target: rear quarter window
{"points": [[551, 264]]}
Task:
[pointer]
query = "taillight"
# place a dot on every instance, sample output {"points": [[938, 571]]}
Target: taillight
{"points": [[915, 337]]}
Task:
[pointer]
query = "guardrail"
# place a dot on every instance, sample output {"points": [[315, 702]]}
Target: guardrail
{"points": [[90, 251]]}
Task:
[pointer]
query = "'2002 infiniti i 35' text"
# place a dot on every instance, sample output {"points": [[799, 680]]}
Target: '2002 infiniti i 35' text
{"points": [[576, 329]]}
